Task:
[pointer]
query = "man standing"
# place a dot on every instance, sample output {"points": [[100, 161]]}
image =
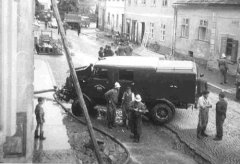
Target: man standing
{"points": [[201, 86], [203, 106], [223, 67], [100, 53], [237, 83], [79, 29], [137, 108], [127, 98], [221, 109], [112, 100], [39, 112]]}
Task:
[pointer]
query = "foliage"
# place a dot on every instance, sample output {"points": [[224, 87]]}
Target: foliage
{"points": [[38, 7]]}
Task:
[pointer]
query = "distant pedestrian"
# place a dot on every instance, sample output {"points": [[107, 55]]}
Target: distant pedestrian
{"points": [[112, 100], [79, 29], [221, 109], [120, 50], [105, 50], [202, 85], [238, 80], [100, 53], [39, 112], [223, 67], [128, 97], [128, 50], [46, 23], [203, 106], [137, 108], [110, 51]]}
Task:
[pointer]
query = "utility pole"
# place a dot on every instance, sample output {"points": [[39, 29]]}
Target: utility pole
{"points": [[75, 82]]}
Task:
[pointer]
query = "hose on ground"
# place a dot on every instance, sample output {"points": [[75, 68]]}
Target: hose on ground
{"points": [[96, 129]]}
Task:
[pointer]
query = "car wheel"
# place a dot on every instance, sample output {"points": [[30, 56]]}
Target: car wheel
{"points": [[162, 113]]}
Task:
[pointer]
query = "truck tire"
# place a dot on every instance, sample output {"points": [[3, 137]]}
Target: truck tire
{"points": [[162, 113], [77, 109]]}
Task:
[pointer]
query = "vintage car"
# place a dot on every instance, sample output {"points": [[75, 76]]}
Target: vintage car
{"points": [[163, 84]]}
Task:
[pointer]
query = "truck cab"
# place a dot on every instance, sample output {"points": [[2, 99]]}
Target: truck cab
{"points": [[163, 84]]}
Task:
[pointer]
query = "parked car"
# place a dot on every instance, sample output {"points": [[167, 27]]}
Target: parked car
{"points": [[163, 84], [53, 23], [85, 21]]}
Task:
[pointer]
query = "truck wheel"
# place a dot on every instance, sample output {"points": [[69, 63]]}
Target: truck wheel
{"points": [[162, 113], [77, 109]]}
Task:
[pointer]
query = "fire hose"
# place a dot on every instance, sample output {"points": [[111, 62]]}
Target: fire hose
{"points": [[95, 128]]}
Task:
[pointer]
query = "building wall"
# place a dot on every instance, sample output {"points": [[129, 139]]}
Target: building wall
{"points": [[114, 8], [222, 22], [151, 13], [16, 84], [101, 14]]}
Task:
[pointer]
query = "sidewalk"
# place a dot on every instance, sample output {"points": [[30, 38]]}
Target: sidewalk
{"points": [[56, 148]]}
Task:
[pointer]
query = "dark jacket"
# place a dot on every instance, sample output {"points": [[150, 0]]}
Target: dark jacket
{"points": [[112, 96], [221, 108], [201, 86]]}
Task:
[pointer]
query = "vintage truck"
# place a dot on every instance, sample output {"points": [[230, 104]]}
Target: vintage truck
{"points": [[163, 84]]}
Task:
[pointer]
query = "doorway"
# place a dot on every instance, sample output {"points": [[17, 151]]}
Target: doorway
{"points": [[143, 31]]}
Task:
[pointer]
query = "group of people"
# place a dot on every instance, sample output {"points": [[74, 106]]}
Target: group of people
{"points": [[122, 50], [203, 105], [107, 51], [132, 110]]}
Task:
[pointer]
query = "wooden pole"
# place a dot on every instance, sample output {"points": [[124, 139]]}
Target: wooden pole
{"points": [[75, 82]]}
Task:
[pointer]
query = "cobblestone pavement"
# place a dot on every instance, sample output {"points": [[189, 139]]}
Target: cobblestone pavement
{"points": [[222, 152]]}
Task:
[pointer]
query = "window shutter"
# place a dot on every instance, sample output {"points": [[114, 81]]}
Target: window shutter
{"points": [[223, 45], [208, 35], [234, 51]]}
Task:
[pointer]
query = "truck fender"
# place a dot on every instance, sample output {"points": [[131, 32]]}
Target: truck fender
{"points": [[88, 98], [169, 103]]}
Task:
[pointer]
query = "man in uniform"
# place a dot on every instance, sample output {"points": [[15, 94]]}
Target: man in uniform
{"points": [[39, 112], [137, 108], [100, 53], [203, 106], [221, 109], [237, 83], [127, 98], [223, 67], [112, 100]]}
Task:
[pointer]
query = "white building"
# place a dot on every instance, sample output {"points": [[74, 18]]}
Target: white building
{"points": [[111, 15]]}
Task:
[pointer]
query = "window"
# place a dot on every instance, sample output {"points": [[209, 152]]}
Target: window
{"points": [[153, 2], [202, 30], [163, 32], [135, 2], [129, 2], [108, 19], [151, 30], [185, 28], [101, 74], [144, 2], [164, 2], [117, 23], [125, 75]]}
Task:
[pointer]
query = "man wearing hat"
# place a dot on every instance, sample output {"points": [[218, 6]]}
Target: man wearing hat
{"points": [[223, 67], [221, 109], [137, 108], [203, 106], [112, 100]]}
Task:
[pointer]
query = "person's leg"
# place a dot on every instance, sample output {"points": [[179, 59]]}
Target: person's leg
{"points": [[41, 132], [225, 76], [36, 131], [219, 128]]}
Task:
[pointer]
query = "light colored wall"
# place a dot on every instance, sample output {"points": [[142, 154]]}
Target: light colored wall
{"points": [[16, 76], [157, 14], [220, 21], [114, 7]]}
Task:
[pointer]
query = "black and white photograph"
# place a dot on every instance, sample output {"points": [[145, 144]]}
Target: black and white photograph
{"points": [[120, 81]]}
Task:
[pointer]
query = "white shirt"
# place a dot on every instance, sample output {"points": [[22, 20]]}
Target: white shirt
{"points": [[203, 102]]}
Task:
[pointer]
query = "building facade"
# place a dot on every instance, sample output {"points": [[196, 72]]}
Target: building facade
{"points": [[111, 15], [207, 29], [16, 84], [150, 21]]}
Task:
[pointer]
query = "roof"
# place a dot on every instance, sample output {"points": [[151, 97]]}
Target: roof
{"points": [[208, 2], [147, 63]]}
